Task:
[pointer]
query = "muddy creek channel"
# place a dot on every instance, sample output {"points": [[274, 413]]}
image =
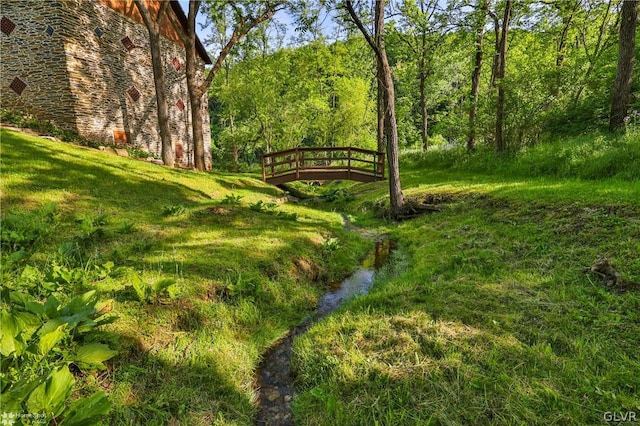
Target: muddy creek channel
{"points": [[274, 379]]}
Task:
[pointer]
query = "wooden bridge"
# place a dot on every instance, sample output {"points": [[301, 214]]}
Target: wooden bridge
{"points": [[342, 163]]}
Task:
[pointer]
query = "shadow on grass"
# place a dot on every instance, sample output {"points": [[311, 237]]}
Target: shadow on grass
{"points": [[95, 180], [180, 387]]}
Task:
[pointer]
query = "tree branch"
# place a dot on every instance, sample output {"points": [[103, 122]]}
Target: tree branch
{"points": [[163, 9], [356, 20], [244, 25]]}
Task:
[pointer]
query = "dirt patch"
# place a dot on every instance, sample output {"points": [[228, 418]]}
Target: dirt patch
{"points": [[305, 270], [218, 210], [414, 206], [611, 277]]}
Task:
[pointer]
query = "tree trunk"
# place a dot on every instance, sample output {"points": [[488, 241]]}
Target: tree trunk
{"points": [[381, 104], [390, 124], [396, 197], [624, 75], [195, 92], [500, 142], [475, 80], [567, 18], [153, 28], [600, 46], [422, 77], [496, 55], [380, 108]]}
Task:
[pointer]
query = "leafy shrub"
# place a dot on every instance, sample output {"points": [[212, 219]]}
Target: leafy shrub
{"points": [[45, 331], [152, 293], [173, 210], [270, 208], [261, 207], [236, 287], [338, 196], [231, 200]]}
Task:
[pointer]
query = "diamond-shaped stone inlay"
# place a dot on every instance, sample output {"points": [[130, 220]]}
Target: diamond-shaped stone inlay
{"points": [[98, 32], [7, 25], [127, 43], [49, 30], [176, 63], [134, 93], [18, 86], [180, 105]]}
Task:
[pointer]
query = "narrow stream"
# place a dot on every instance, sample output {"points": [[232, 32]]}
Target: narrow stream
{"points": [[274, 377]]}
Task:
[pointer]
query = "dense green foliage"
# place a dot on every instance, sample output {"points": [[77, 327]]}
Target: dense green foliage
{"points": [[560, 70], [311, 96], [49, 320]]}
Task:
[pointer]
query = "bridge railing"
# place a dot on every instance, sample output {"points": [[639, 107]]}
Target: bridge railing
{"points": [[323, 164]]}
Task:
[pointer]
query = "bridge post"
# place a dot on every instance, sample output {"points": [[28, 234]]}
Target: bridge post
{"points": [[297, 165], [349, 163], [264, 173]]}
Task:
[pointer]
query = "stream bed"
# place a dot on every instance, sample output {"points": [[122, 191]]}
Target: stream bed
{"points": [[274, 378]]}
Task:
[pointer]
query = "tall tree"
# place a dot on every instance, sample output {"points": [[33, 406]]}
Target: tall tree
{"points": [[598, 16], [626, 54], [418, 17], [500, 72], [377, 44], [153, 27], [247, 15], [480, 20]]}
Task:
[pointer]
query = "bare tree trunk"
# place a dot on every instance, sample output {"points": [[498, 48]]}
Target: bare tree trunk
{"points": [[624, 75], [195, 92], [496, 55], [376, 43], [380, 108], [396, 198], [422, 77], [500, 142], [475, 78], [567, 18], [381, 104], [153, 27]]}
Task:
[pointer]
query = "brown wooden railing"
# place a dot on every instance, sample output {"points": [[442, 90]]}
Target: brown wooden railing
{"points": [[341, 163]]}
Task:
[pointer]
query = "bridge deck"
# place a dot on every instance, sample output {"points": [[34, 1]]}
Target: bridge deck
{"points": [[342, 163]]}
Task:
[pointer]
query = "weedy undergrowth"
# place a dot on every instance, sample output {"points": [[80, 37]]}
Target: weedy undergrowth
{"points": [[152, 293], [49, 324]]}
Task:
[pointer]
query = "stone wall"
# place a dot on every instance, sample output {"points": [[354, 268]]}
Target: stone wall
{"points": [[91, 73]]}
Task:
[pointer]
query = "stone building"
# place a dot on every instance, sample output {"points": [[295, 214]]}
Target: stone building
{"points": [[85, 65]]}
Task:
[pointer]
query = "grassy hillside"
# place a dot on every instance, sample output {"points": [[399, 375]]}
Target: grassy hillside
{"points": [[245, 271], [488, 316]]}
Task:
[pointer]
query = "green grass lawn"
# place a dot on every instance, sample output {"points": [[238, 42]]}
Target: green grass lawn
{"points": [[245, 275], [484, 316], [487, 317]]}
